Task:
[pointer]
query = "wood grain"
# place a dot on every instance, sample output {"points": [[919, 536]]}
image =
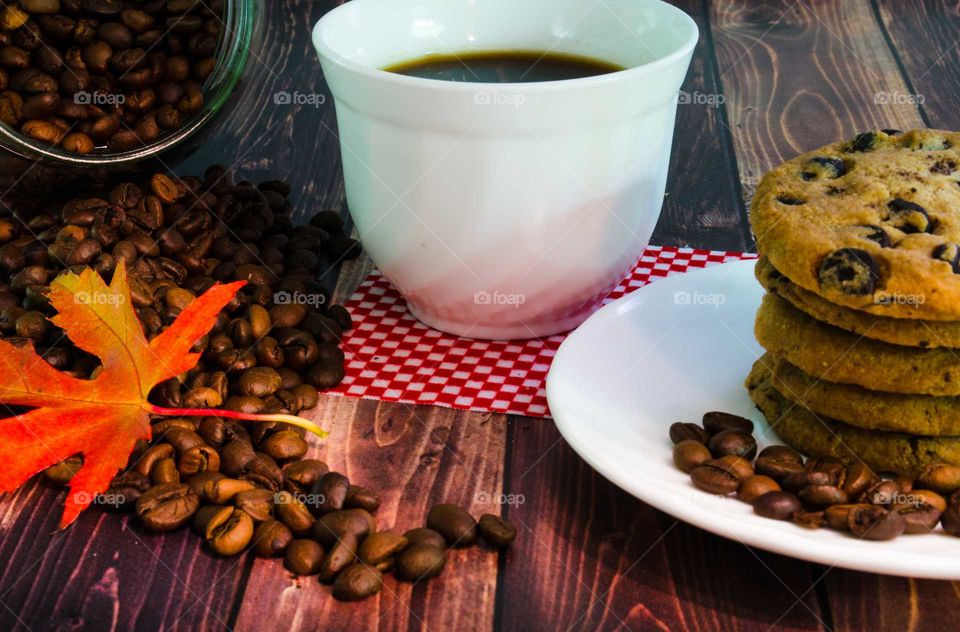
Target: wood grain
{"points": [[798, 75], [416, 457], [591, 557], [703, 204], [929, 60]]}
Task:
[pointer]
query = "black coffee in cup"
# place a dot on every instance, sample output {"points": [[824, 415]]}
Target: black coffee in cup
{"points": [[504, 66]]}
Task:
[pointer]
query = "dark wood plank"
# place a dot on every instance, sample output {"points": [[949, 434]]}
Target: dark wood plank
{"points": [[798, 75], [104, 572], [416, 456], [860, 601], [591, 557], [703, 206], [929, 61]]}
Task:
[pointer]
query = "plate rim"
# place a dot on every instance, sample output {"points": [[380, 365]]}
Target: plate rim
{"points": [[805, 546]]}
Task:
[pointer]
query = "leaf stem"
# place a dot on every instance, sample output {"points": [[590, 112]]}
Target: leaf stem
{"points": [[233, 414]]}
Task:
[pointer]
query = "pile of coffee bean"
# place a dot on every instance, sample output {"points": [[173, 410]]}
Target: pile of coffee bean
{"points": [[246, 486], [271, 348], [721, 458], [82, 74]]}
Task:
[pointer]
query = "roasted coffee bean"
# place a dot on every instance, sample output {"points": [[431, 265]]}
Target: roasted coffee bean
{"points": [[259, 382], [714, 422], [165, 471], [777, 505], [752, 487], [155, 453], [733, 442], [778, 461], [683, 431], [264, 472], [167, 507], [271, 539], [837, 516], [875, 523], [222, 491], [950, 520], [689, 453], [304, 557], [235, 456], [356, 582], [737, 464], [362, 498], [378, 548], [420, 561], [199, 459], [426, 536], [300, 476], [882, 493], [920, 517], [454, 523], [229, 531], [124, 491], [809, 519], [293, 513], [496, 530], [342, 553], [284, 445], [258, 503], [858, 479], [823, 495], [197, 481], [944, 479], [715, 478], [331, 492], [331, 526], [64, 471], [325, 374]]}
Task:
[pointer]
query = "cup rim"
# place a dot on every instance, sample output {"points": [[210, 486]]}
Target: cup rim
{"points": [[326, 52]]}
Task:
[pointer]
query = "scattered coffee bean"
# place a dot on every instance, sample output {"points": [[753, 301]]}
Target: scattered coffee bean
{"points": [[456, 526], [167, 507], [752, 487], [424, 535], [715, 478], [688, 454], [496, 530], [716, 421], [356, 582], [271, 539], [875, 523], [682, 431], [420, 561], [777, 505], [733, 442], [304, 557]]}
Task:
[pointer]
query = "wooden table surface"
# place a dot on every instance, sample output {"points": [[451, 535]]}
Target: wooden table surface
{"points": [[769, 79]]}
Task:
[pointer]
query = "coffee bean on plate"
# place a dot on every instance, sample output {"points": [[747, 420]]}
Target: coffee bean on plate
{"points": [[777, 505]]}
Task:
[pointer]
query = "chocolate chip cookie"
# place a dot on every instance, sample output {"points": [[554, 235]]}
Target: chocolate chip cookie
{"points": [[926, 334], [821, 436], [872, 223], [873, 410], [830, 353]]}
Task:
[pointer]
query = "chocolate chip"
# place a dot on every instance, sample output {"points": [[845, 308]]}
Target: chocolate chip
{"points": [[849, 271], [891, 132], [821, 166], [862, 142], [789, 200], [944, 167], [949, 253], [908, 216], [875, 234]]}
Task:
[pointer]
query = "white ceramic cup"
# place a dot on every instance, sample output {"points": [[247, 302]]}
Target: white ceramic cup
{"points": [[505, 210]]}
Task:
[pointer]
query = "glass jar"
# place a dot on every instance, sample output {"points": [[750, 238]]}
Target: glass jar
{"points": [[30, 167]]}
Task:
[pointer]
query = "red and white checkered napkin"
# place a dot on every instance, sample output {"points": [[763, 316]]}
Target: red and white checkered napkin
{"points": [[391, 356]]}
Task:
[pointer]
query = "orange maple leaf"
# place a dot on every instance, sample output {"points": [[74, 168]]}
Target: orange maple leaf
{"points": [[101, 418]]}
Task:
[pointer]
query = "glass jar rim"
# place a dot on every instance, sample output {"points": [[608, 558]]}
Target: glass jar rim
{"points": [[232, 54]]}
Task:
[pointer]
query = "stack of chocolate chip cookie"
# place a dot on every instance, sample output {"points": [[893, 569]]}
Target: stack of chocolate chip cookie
{"points": [[861, 320]]}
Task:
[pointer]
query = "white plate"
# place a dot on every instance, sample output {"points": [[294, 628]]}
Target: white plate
{"points": [[671, 351]]}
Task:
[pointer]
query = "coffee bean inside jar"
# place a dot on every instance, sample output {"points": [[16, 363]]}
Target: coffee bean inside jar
{"points": [[86, 74]]}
